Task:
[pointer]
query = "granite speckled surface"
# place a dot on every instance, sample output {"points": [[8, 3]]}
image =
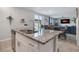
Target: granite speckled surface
{"points": [[41, 35]]}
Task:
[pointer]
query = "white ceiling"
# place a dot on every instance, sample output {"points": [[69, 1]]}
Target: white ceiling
{"points": [[55, 11]]}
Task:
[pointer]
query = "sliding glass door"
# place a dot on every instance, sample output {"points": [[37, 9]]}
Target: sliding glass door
{"points": [[37, 25]]}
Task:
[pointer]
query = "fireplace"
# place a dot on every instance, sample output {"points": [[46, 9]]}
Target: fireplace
{"points": [[65, 21]]}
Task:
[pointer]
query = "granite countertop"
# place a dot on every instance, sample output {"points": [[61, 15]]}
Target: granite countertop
{"points": [[41, 36]]}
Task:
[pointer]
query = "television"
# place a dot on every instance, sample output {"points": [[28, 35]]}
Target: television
{"points": [[65, 21]]}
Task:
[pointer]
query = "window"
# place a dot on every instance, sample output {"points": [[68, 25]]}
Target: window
{"points": [[38, 17], [51, 21]]}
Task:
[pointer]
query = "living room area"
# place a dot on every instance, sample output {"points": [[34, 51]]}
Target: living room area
{"points": [[67, 39], [65, 24]]}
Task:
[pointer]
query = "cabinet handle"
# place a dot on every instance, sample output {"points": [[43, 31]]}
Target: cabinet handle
{"points": [[31, 44]]}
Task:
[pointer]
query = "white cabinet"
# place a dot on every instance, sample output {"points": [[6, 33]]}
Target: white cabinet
{"points": [[25, 44]]}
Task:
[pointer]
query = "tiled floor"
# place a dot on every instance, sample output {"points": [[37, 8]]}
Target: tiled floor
{"points": [[5, 46], [68, 46], [64, 46]]}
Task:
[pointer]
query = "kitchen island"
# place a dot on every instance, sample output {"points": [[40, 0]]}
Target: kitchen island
{"points": [[38, 41]]}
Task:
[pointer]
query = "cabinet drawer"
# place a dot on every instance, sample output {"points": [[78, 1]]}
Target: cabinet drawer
{"points": [[32, 47]]}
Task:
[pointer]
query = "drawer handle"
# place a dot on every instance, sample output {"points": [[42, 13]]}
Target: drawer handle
{"points": [[31, 44]]}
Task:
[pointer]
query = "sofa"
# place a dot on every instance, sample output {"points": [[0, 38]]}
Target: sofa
{"points": [[71, 30]]}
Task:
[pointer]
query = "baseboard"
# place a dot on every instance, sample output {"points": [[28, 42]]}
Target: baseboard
{"points": [[9, 38]]}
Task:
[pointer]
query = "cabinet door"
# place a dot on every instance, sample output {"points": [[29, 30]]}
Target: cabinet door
{"points": [[20, 47], [21, 43]]}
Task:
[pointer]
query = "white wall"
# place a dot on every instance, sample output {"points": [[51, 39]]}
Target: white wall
{"points": [[17, 14], [4, 25]]}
